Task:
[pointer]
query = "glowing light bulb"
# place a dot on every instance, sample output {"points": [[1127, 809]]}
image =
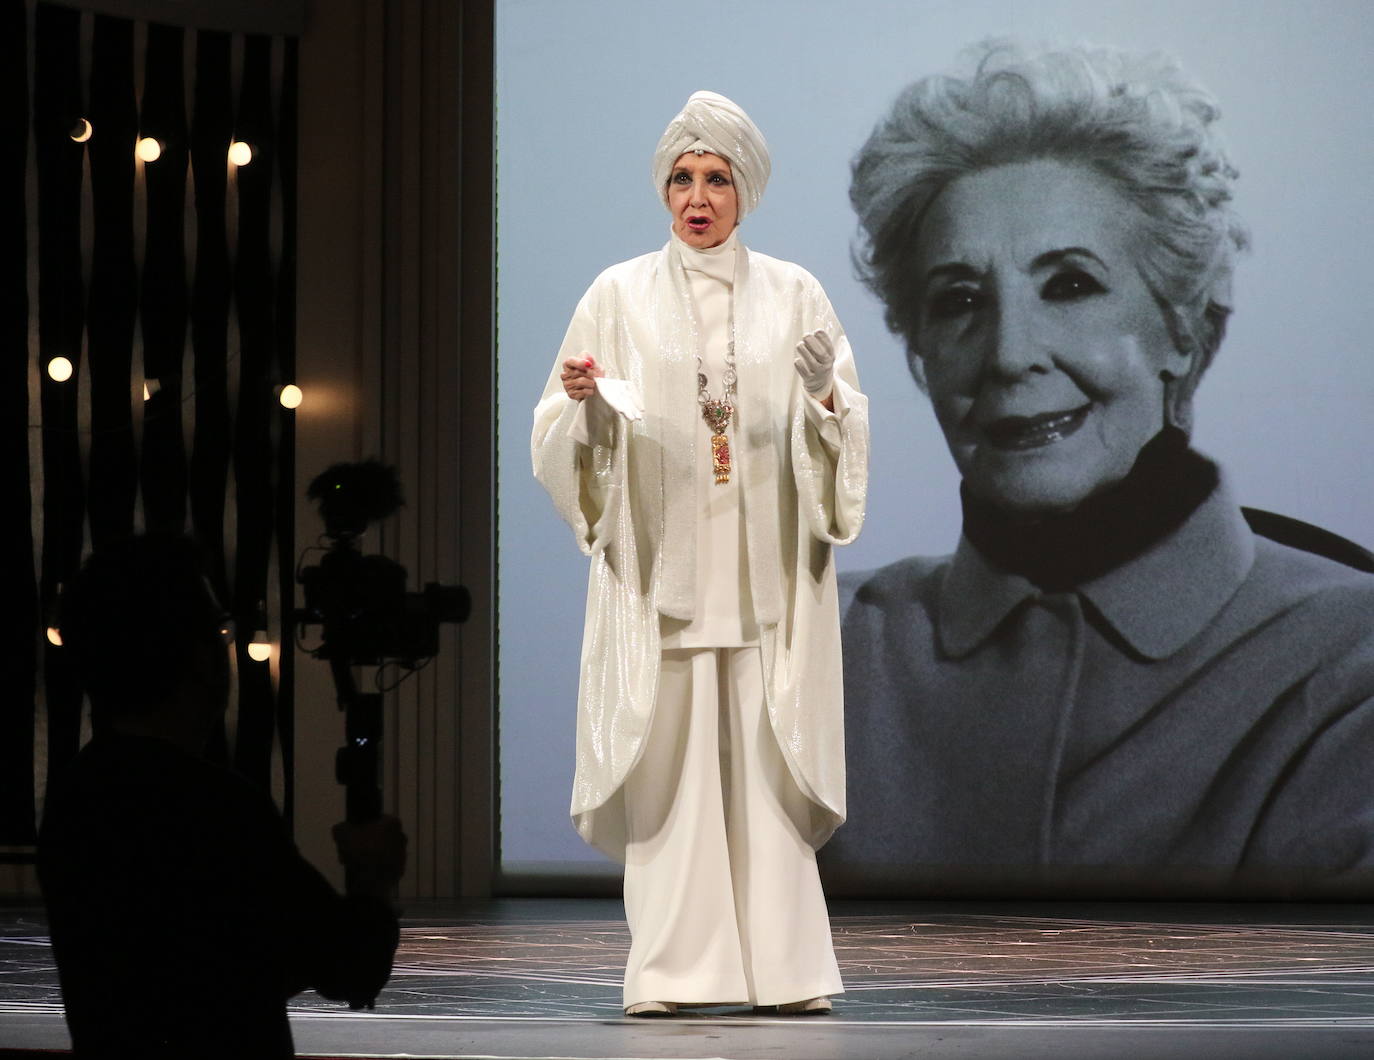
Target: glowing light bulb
{"points": [[240, 153], [148, 149], [290, 396], [54, 636], [151, 387], [59, 369], [81, 130], [260, 648]]}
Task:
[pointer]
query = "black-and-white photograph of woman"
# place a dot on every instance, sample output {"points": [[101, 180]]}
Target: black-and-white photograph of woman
{"points": [[1110, 289], [1120, 681]]}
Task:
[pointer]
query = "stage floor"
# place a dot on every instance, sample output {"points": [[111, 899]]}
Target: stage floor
{"points": [[541, 978]]}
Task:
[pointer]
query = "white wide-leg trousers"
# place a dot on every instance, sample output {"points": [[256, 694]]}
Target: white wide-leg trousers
{"points": [[722, 894]]}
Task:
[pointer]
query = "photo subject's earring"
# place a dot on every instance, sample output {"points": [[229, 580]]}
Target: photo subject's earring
{"points": [[1174, 412], [1178, 384], [1166, 391], [1167, 378], [1180, 334]]}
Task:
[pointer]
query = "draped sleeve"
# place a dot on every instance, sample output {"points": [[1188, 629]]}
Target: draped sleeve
{"points": [[582, 456], [574, 450], [830, 449]]}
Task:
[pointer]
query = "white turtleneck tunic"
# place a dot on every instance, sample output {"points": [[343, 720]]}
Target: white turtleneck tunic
{"points": [[724, 614]]}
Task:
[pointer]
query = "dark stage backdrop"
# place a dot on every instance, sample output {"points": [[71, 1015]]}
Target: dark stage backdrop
{"points": [[169, 287]]}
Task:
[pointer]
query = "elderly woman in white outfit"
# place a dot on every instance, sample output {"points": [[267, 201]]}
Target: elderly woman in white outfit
{"points": [[704, 435]]}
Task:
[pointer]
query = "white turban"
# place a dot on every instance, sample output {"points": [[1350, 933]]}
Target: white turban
{"points": [[710, 122]]}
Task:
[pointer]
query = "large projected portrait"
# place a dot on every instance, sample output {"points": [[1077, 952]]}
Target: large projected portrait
{"points": [[1115, 681], [1106, 631]]}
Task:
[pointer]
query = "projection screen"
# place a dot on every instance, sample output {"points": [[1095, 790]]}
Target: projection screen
{"points": [[584, 90]]}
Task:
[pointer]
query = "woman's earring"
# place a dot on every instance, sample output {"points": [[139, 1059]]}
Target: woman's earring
{"points": [[1175, 412], [1180, 334]]}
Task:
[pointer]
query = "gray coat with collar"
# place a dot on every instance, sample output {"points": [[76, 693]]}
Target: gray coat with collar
{"points": [[1198, 722]]}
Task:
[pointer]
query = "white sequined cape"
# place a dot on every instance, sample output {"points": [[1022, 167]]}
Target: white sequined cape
{"points": [[631, 506]]}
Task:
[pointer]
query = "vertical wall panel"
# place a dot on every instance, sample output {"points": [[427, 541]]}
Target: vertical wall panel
{"points": [[472, 273], [212, 128], [61, 312], [163, 301], [339, 329], [435, 422], [286, 441], [19, 616], [254, 467], [353, 348], [112, 310]]}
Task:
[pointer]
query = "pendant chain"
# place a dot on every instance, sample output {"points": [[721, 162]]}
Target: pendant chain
{"points": [[717, 411]]}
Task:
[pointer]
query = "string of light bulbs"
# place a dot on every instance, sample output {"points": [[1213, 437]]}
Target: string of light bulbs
{"points": [[149, 148], [60, 368], [289, 395]]}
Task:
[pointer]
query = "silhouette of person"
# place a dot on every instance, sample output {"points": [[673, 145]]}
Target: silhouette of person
{"points": [[182, 915]]}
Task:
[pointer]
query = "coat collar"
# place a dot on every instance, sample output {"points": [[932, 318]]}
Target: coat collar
{"points": [[1157, 602], [718, 262]]}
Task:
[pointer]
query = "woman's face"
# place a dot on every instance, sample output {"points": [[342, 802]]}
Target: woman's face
{"points": [[702, 198], [1042, 345]]}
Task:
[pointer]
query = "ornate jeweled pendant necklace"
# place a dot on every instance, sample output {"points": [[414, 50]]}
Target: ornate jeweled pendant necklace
{"points": [[717, 412]]}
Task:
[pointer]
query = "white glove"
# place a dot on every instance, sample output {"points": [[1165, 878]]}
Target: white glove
{"points": [[815, 363]]}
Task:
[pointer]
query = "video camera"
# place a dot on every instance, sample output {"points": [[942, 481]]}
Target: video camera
{"points": [[361, 602], [366, 616]]}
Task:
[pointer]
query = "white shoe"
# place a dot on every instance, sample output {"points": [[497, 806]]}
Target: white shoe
{"points": [[653, 1008], [812, 1006]]}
